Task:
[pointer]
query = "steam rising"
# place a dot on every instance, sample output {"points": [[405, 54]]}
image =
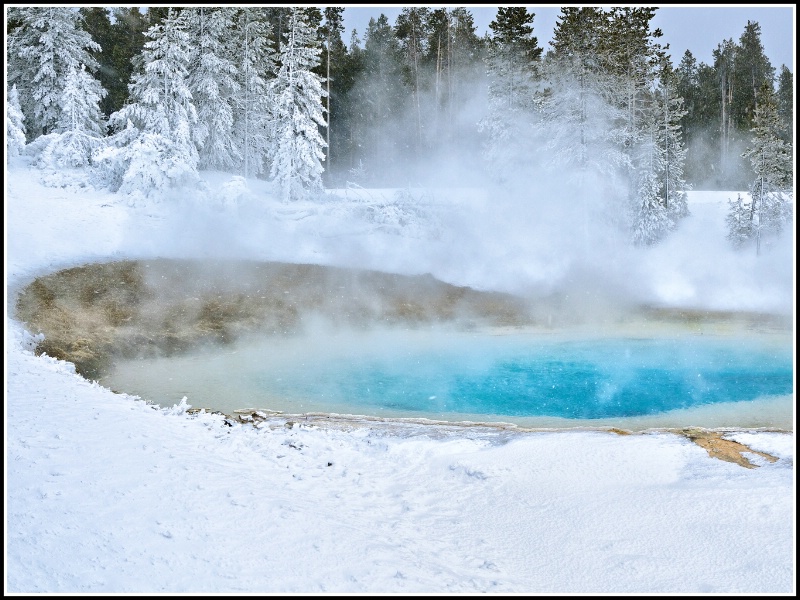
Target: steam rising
{"points": [[540, 235]]}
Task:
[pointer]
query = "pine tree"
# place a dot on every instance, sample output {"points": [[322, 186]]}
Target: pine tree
{"points": [[97, 22], [41, 51], [378, 98], [739, 221], [80, 104], [453, 64], [297, 152], [724, 60], [162, 111], [410, 30], [128, 39], [670, 110], [661, 190], [15, 124], [81, 127], [577, 119], [751, 70], [351, 112], [632, 56], [785, 100], [334, 62], [770, 205], [512, 54], [255, 61], [212, 82], [696, 84]]}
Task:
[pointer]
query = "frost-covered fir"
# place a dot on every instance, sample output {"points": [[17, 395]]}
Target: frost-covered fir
{"points": [[80, 129], [15, 124], [41, 52], [212, 80], [297, 148], [771, 192], [255, 62], [661, 189], [510, 65], [163, 153]]}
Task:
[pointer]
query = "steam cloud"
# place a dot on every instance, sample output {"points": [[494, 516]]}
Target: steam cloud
{"points": [[538, 235]]}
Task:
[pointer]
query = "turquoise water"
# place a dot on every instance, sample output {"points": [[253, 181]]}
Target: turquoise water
{"points": [[513, 378]]}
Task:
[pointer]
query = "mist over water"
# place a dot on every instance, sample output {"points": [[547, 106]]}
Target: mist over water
{"points": [[548, 232], [550, 235], [565, 378]]}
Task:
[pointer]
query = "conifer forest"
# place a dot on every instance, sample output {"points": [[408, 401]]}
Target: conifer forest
{"points": [[146, 98]]}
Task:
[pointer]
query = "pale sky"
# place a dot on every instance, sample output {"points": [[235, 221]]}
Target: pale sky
{"points": [[698, 28]]}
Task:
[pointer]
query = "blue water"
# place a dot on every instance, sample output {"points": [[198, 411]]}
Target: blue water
{"points": [[531, 377], [447, 375]]}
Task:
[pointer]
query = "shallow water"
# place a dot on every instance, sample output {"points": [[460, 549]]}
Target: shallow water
{"points": [[531, 378]]}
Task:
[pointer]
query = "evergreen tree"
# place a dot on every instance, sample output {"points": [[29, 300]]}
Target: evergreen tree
{"points": [[724, 63], [512, 54], [127, 41], [770, 205], [349, 117], [212, 82], [15, 124], [80, 129], [578, 129], [453, 65], [631, 57], [751, 70], [97, 22], [466, 59], [334, 60], [162, 111], [80, 104], [297, 151], [577, 119], [670, 110], [41, 51], [410, 30], [697, 85], [687, 87], [661, 189], [785, 100], [739, 222], [377, 101], [255, 60]]}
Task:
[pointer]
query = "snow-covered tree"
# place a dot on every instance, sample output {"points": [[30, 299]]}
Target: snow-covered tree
{"points": [[213, 85], [409, 29], [670, 111], [80, 128], [575, 134], [255, 62], [511, 67], [770, 206], [15, 124], [577, 122], [660, 194], [297, 150], [785, 99], [41, 51], [164, 153], [80, 104], [738, 221]]}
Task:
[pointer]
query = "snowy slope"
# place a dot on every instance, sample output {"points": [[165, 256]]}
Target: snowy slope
{"points": [[106, 494]]}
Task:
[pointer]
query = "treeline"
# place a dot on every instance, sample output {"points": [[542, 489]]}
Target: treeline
{"points": [[276, 92], [427, 68]]}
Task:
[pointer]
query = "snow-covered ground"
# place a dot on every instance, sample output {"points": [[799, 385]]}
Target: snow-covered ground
{"points": [[105, 494]]}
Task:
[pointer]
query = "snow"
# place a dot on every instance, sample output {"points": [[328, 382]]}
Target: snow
{"points": [[105, 494]]}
